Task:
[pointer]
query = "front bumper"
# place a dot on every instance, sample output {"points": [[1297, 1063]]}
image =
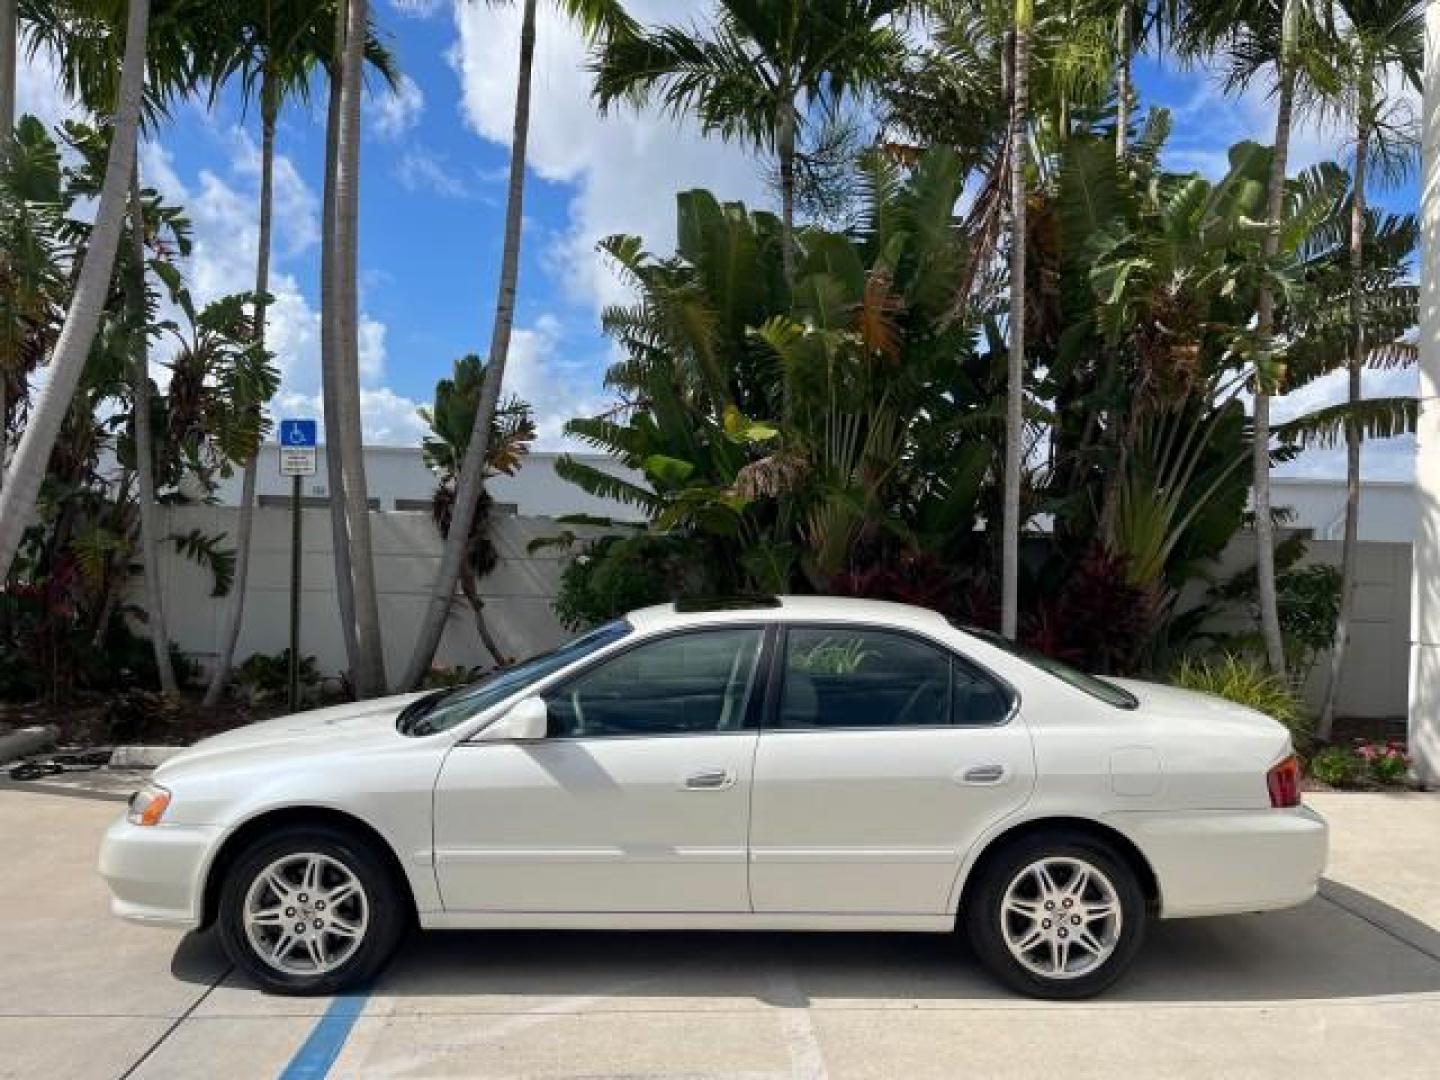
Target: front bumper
{"points": [[156, 872], [1226, 862]]}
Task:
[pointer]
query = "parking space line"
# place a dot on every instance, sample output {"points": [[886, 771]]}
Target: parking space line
{"points": [[320, 1049], [150, 1050], [797, 1027]]}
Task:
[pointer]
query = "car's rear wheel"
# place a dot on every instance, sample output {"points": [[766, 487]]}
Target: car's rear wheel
{"points": [[310, 911], [1057, 916]]}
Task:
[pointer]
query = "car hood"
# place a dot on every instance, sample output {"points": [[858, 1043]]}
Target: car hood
{"points": [[339, 727], [1165, 702]]}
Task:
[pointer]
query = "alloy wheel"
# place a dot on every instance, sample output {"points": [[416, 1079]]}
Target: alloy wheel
{"points": [[306, 914], [1061, 918]]}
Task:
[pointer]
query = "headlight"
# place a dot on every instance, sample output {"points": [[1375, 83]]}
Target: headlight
{"points": [[148, 805]]}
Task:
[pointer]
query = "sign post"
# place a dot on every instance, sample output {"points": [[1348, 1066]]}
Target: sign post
{"points": [[297, 460]]}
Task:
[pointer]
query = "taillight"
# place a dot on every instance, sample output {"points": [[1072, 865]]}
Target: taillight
{"points": [[1283, 780]]}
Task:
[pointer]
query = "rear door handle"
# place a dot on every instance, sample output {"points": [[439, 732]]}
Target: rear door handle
{"points": [[710, 780], [984, 774]]}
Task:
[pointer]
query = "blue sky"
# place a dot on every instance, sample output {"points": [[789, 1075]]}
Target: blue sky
{"points": [[433, 186]]}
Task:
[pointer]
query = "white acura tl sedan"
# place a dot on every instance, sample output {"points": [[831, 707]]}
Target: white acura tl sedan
{"points": [[778, 763]]}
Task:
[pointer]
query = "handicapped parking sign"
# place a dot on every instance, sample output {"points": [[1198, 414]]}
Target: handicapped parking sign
{"points": [[298, 433], [297, 447]]}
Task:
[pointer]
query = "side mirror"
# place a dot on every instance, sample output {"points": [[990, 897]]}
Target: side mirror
{"points": [[527, 719]]}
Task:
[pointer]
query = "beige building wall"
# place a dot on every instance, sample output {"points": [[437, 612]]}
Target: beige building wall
{"points": [[1374, 680], [518, 594]]}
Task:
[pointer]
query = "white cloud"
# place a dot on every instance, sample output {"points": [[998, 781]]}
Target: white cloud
{"points": [[558, 384], [422, 170], [626, 168], [1380, 459], [38, 90], [416, 9], [222, 261], [1209, 121], [390, 419], [398, 111]]}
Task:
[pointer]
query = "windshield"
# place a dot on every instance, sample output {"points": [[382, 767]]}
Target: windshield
{"points": [[444, 709], [1107, 692]]}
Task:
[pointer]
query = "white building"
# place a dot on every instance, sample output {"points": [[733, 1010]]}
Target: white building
{"points": [[397, 479], [1388, 508]]}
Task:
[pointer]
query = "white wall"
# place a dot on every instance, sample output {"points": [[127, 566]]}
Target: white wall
{"points": [[1373, 681], [398, 473], [518, 594], [1387, 507]]}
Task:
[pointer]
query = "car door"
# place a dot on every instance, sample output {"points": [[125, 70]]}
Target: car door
{"points": [[884, 756], [637, 801]]}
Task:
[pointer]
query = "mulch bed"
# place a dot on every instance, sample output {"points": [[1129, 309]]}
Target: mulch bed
{"points": [[136, 718]]}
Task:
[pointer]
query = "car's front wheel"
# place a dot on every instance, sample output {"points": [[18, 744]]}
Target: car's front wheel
{"points": [[1056, 917], [310, 911]]}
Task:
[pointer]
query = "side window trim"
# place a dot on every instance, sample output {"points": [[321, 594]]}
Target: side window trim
{"points": [[754, 705], [775, 685]]}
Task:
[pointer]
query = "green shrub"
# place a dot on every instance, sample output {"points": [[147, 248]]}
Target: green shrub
{"points": [[616, 574], [445, 678], [1336, 766], [264, 677], [1246, 681]]}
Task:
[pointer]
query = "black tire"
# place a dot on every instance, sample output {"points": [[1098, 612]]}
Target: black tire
{"points": [[984, 916], [386, 910]]}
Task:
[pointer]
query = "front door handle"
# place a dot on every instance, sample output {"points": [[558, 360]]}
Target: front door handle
{"points": [[710, 780]]}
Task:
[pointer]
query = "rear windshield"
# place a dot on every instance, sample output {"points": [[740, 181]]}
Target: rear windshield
{"points": [[1096, 687], [444, 709]]}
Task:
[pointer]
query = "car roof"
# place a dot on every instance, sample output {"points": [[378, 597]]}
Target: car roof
{"points": [[787, 609]]}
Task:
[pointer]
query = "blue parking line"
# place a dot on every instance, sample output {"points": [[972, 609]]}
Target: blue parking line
{"points": [[325, 1041]]}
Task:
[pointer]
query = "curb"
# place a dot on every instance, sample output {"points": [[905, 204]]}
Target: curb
{"points": [[141, 757]]}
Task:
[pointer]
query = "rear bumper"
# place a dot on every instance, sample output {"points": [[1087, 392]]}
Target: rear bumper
{"points": [[1226, 862], [155, 873]]}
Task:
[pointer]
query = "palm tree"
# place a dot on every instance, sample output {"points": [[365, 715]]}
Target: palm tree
{"points": [[144, 439], [27, 468], [280, 43], [1287, 38], [596, 17], [347, 436], [329, 343], [1381, 38], [756, 72], [1136, 23], [513, 430], [1015, 372]]}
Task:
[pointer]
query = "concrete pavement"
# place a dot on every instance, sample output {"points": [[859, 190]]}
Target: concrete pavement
{"points": [[1347, 984]]}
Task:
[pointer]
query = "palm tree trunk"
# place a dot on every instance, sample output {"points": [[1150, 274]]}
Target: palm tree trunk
{"points": [[1349, 546], [1265, 326], [32, 455], [235, 611], [144, 439], [471, 588], [329, 363], [9, 28], [9, 31], [786, 150], [370, 672], [4, 424], [1125, 46], [472, 470], [1015, 375]]}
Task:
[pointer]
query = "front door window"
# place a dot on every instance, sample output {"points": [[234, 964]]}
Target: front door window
{"points": [[691, 683]]}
